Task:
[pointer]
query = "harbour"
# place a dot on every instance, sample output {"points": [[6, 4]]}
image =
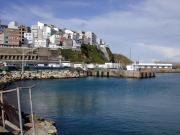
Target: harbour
{"points": [[108, 67], [110, 105]]}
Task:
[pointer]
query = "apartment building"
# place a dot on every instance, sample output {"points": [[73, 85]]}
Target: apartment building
{"points": [[10, 37]]}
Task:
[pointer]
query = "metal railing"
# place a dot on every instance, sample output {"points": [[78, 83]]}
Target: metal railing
{"points": [[18, 89]]}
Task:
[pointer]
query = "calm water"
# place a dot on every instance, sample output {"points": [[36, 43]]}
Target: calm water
{"points": [[109, 106]]}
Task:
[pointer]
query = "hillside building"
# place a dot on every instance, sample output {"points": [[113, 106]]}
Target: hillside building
{"points": [[13, 25], [41, 43], [28, 39], [92, 38], [10, 37]]}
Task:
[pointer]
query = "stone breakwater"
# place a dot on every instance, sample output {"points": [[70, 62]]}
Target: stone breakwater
{"points": [[8, 77]]}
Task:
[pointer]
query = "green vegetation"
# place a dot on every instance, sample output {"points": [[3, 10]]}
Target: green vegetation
{"points": [[91, 54], [72, 55], [122, 59], [88, 54]]}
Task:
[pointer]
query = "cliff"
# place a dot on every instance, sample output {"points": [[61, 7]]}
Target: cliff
{"points": [[122, 59], [93, 54]]}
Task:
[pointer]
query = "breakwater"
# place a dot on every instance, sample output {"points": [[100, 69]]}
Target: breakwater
{"points": [[8, 77]]}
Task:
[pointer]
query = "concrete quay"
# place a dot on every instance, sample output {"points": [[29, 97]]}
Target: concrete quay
{"points": [[121, 73]]}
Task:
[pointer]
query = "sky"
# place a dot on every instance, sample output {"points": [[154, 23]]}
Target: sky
{"points": [[151, 28]]}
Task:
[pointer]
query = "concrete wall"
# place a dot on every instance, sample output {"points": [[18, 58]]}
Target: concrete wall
{"points": [[120, 73]]}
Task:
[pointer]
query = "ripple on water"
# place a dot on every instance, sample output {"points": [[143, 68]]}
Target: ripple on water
{"points": [[109, 106]]}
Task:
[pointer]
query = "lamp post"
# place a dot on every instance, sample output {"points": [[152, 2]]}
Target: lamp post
{"points": [[22, 64]]}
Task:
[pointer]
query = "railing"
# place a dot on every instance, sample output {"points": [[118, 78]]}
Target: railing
{"points": [[5, 122]]}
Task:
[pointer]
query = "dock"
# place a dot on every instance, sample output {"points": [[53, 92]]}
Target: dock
{"points": [[121, 73]]}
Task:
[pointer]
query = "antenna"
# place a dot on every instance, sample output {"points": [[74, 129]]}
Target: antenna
{"points": [[130, 53]]}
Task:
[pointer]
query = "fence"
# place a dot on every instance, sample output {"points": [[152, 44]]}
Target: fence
{"points": [[5, 122]]}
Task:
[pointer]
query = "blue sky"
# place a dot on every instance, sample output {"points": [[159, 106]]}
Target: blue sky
{"points": [[151, 28]]}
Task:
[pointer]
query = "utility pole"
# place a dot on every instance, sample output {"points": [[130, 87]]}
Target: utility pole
{"points": [[22, 68], [130, 53]]}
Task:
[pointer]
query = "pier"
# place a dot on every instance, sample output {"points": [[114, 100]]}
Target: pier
{"points": [[121, 73]]}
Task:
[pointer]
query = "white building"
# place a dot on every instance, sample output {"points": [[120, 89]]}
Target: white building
{"points": [[91, 37], [90, 66], [45, 35], [102, 66], [54, 65], [38, 43], [43, 31], [139, 66], [40, 25], [55, 39], [34, 31], [47, 31], [29, 38], [113, 65], [13, 25], [66, 64], [78, 65], [68, 34], [68, 38], [110, 66]]}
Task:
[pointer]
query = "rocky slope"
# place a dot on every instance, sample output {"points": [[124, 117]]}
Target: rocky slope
{"points": [[93, 54]]}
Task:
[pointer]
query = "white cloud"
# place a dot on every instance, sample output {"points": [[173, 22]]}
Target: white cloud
{"points": [[163, 50]]}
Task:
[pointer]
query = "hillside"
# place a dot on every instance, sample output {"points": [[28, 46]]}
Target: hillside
{"points": [[122, 59], [88, 54], [92, 54]]}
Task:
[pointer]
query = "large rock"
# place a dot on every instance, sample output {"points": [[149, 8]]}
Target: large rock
{"points": [[42, 126]]}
